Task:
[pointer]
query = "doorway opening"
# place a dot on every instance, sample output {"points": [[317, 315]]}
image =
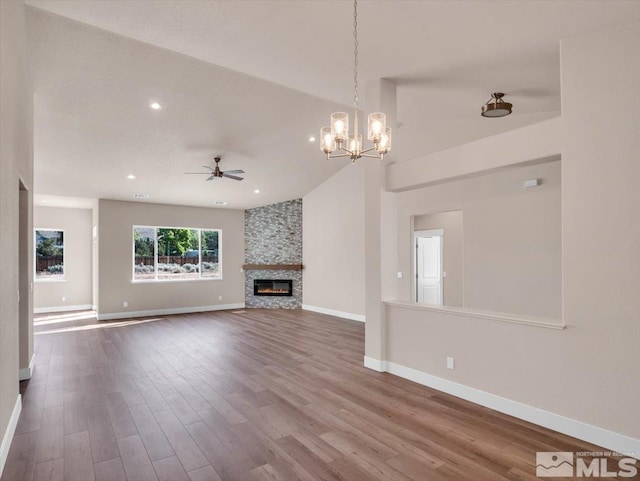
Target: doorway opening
{"points": [[25, 268]]}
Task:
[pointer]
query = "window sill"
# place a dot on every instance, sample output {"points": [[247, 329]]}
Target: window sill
{"points": [[165, 281], [493, 316]]}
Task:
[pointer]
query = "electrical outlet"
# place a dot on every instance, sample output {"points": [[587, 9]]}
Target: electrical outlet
{"points": [[125, 304], [219, 298], [399, 275], [451, 363], [64, 299]]}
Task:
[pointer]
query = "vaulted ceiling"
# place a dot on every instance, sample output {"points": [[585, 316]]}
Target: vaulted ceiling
{"points": [[252, 80]]}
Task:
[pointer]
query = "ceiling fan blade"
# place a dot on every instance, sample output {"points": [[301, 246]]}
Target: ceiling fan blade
{"points": [[212, 177], [207, 167], [234, 177], [234, 171], [199, 173]]}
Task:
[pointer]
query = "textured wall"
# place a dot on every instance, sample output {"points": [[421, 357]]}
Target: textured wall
{"points": [[273, 235]]}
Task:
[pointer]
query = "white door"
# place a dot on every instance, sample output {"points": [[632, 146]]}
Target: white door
{"points": [[429, 269]]}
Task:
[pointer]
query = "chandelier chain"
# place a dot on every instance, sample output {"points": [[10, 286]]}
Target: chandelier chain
{"points": [[355, 54]]}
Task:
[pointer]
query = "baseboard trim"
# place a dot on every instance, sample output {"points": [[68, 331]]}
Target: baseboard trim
{"points": [[166, 312], [375, 364], [333, 312], [78, 307], [10, 431], [26, 372], [571, 427]]}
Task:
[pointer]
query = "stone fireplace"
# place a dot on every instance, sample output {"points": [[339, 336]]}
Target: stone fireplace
{"points": [[273, 254]]}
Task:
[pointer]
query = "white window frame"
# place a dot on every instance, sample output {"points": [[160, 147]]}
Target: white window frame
{"points": [[35, 256], [155, 254]]}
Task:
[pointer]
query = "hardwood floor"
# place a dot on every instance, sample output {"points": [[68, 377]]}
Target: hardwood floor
{"points": [[248, 395]]}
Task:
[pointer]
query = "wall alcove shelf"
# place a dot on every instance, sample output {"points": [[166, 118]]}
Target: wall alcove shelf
{"points": [[273, 267]]}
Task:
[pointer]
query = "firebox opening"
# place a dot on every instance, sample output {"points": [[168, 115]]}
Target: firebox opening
{"points": [[273, 287]]}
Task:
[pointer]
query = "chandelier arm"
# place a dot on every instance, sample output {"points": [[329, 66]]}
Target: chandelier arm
{"points": [[329, 156], [379, 156], [346, 150], [368, 150]]}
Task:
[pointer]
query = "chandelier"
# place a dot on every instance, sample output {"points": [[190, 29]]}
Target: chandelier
{"points": [[336, 137]]}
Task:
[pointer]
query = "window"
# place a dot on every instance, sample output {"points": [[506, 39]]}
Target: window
{"points": [[175, 253], [49, 255]]}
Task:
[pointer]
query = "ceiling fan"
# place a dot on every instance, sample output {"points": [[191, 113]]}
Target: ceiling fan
{"points": [[215, 172]]}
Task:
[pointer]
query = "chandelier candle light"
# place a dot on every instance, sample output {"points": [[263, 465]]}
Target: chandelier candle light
{"points": [[336, 137]]}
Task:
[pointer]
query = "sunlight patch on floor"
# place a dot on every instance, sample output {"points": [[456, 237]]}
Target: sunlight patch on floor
{"points": [[103, 325], [59, 318]]}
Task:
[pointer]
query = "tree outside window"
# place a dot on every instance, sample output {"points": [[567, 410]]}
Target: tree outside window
{"points": [[174, 253]]}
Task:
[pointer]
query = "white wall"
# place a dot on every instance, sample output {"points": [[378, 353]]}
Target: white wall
{"points": [[77, 287], [16, 166], [601, 227], [333, 243], [583, 377], [535, 143], [115, 233], [512, 238]]}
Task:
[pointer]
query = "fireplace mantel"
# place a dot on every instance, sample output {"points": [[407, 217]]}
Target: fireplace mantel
{"points": [[273, 267]]}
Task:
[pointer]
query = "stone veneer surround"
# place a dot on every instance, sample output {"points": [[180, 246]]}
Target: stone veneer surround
{"points": [[273, 235]]}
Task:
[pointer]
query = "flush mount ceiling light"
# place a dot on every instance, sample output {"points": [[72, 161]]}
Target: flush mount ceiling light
{"points": [[155, 105], [496, 107], [336, 137]]}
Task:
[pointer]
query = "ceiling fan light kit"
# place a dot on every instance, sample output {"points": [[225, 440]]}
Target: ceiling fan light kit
{"points": [[337, 138], [496, 107]]}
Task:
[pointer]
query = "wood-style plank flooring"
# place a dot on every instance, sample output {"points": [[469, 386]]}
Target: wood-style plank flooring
{"points": [[249, 395]]}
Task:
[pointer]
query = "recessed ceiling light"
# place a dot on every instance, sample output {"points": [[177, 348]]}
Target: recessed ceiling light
{"points": [[155, 106], [257, 191], [141, 196], [131, 176], [220, 202], [312, 139]]}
